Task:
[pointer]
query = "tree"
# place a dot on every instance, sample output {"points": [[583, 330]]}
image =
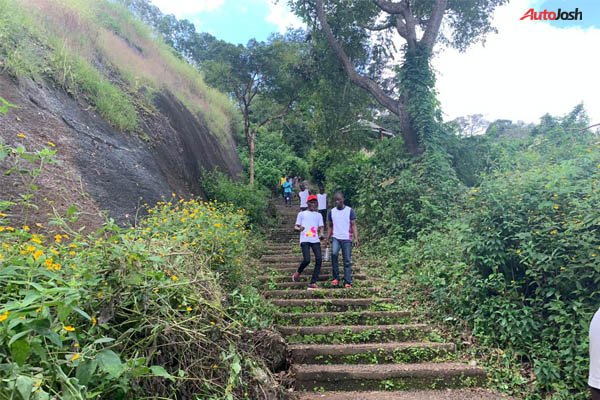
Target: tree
{"points": [[264, 79], [471, 125], [364, 36]]}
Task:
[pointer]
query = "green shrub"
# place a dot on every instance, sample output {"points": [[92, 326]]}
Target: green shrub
{"points": [[254, 200]]}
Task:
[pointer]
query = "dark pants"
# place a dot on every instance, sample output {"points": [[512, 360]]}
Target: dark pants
{"points": [[324, 214], [346, 247], [595, 393], [316, 248]]}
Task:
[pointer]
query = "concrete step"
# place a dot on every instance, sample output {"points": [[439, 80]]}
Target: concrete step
{"points": [[343, 318], [281, 258], [321, 305], [290, 269], [370, 353], [321, 294], [447, 394], [338, 334], [326, 285], [305, 278], [387, 376]]}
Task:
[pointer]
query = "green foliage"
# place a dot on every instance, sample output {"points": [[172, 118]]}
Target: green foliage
{"points": [[274, 159], [517, 259], [124, 312], [5, 105], [253, 199]]}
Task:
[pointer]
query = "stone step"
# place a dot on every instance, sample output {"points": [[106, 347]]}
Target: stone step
{"points": [[322, 284], [343, 318], [325, 270], [321, 294], [276, 259], [338, 334], [305, 278], [370, 353], [448, 394], [323, 305], [348, 377]]}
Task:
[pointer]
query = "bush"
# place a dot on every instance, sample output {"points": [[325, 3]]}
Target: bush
{"points": [[254, 200]]}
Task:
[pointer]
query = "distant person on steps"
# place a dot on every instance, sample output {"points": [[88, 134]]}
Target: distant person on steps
{"points": [[303, 195], [310, 225], [322, 198], [287, 192], [343, 234]]}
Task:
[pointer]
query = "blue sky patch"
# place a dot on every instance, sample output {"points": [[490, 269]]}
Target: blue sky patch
{"points": [[589, 8]]}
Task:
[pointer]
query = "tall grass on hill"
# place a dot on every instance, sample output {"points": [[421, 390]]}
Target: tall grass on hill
{"points": [[98, 49]]}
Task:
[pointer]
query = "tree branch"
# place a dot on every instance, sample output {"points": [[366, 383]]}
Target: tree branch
{"points": [[379, 27], [433, 27], [389, 7], [284, 110], [363, 82]]}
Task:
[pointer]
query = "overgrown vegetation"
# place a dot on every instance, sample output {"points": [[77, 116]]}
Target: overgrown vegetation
{"points": [[99, 52], [154, 309], [515, 258]]}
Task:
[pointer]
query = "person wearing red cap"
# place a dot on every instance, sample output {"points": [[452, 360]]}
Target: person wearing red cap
{"points": [[310, 225]]}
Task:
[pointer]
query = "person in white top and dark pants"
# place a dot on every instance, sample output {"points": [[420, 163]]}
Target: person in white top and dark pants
{"points": [[594, 374], [343, 234]]}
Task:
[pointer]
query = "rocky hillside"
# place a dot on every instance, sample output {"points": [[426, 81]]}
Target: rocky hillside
{"points": [[131, 122]]}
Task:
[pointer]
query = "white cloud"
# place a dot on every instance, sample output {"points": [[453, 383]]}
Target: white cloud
{"points": [[526, 70], [281, 16], [183, 8]]}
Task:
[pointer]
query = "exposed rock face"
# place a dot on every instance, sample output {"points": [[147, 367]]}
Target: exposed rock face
{"points": [[102, 168]]}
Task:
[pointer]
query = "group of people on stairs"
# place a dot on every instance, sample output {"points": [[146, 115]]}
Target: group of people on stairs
{"points": [[342, 233]]}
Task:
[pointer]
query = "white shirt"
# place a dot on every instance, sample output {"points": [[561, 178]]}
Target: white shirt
{"points": [[594, 376], [341, 222], [322, 198], [303, 197], [311, 221]]}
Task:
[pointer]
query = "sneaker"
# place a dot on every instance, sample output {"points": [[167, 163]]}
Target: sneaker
{"points": [[312, 286], [348, 286], [295, 277], [335, 282]]}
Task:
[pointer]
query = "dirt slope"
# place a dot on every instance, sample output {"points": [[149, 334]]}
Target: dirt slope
{"points": [[102, 168]]}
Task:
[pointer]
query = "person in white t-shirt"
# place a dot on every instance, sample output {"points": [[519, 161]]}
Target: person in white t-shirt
{"points": [[322, 199], [310, 225], [594, 374], [343, 234], [303, 195]]}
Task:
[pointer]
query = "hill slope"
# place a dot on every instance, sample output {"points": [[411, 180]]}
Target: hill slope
{"points": [[131, 121]]}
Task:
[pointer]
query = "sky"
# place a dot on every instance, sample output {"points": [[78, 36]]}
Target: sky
{"points": [[527, 69]]}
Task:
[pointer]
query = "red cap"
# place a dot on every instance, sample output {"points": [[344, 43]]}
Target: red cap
{"points": [[312, 197]]}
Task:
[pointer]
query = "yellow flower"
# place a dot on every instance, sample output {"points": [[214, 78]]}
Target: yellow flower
{"points": [[4, 316], [58, 238], [3, 215], [26, 228], [556, 206], [21, 136], [39, 225], [69, 328], [75, 357], [1, 257], [72, 245], [36, 239], [54, 251], [1, 229], [72, 253], [37, 254], [174, 278], [48, 263], [51, 144], [217, 225], [189, 309], [56, 267], [30, 249], [553, 232], [94, 321]]}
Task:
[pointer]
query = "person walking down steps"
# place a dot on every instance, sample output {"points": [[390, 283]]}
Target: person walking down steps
{"points": [[343, 234], [303, 195], [310, 225], [322, 198]]}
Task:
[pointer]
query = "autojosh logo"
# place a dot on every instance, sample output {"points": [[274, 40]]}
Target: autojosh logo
{"points": [[559, 15]]}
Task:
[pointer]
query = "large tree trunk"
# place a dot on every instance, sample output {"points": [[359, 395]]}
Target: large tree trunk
{"points": [[411, 141], [251, 151]]}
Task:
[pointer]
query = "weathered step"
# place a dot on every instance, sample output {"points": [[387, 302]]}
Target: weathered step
{"points": [[329, 304], [343, 318], [448, 394], [325, 285], [281, 258], [387, 376], [306, 278], [336, 334], [321, 294], [370, 353], [325, 270]]}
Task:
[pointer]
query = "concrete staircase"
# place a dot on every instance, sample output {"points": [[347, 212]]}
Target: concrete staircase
{"points": [[357, 343]]}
